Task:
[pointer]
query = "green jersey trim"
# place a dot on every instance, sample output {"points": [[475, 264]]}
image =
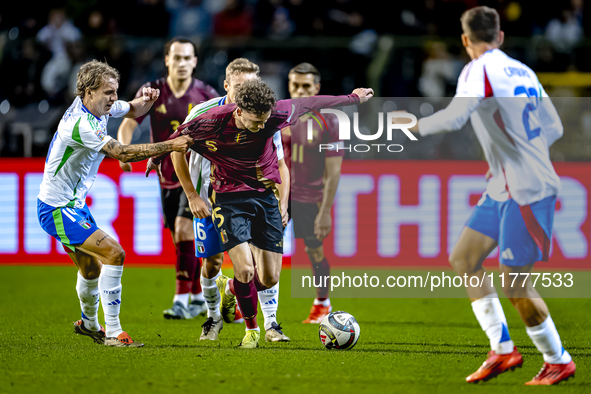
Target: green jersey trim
{"points": [[67, 154]]}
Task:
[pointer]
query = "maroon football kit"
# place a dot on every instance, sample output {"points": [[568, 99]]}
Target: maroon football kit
{"points": [[244, 168], [166, 114]]}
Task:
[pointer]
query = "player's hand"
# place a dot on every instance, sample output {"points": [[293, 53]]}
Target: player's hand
{"points": [[322, 226], [199, 208], [364, 94], [152, 166], [149, 95], [125, 166], [404, 120], [284, 215], [488, 175], [182, 143]]}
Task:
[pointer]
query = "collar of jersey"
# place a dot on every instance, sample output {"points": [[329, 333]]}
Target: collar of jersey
{"points": [[84, 109]]}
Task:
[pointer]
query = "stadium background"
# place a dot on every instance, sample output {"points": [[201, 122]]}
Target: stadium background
{"points": [[408, 50]]}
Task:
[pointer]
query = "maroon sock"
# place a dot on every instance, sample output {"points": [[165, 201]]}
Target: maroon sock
{"points": [[321, 270], [196, 288], [247, 297], [185, 266]]}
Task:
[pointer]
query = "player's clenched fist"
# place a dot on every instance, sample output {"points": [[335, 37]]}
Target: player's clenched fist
{"points": [[150, 94], [364, 94], [182, 144]]}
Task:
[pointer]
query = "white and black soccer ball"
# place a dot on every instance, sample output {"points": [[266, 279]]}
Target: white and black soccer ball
{"points": [[339, 330]]}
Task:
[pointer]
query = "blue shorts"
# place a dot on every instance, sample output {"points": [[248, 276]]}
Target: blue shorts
{"points": [[207, 240], [524, 233], [70, 226]]}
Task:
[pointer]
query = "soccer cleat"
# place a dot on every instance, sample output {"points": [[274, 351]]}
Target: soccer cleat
{"points": [[177, 312], [238, 318], [197, 308], [228, 303], [211, 329], [275, 334], [97, 336], [496, 364], [553, 374], [250, 340], [317, 313], [122, 340]]}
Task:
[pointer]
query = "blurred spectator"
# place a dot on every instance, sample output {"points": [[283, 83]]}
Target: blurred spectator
{"points": [[565, 31], [188, 18], [55, 36], [235, 20], [438, 71]]}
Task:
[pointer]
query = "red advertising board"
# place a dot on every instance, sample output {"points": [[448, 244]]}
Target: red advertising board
{"points": [[386, 213]]}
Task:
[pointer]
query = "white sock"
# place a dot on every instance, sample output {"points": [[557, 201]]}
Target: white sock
{"points": [[324, 303], [547, 340], [254, 329], [269, 300], [89, 296], [489, 312], [212, 297], [110, 288], [182, 298], [196, 297]]}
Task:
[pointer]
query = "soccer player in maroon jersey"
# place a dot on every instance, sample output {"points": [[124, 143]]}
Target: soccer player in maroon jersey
{"points": [[179, 93], [314, 180], [236, 138]]}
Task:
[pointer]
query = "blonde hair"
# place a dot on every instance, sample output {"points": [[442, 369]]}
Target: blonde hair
{"points": [[92, 74], [241, 66]]}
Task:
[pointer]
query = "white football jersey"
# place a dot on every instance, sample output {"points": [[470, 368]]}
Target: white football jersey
{"points": [[74, 155], [514, 121], [200, 167]]}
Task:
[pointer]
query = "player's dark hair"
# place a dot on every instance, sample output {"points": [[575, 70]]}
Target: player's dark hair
{"points": [[182, 40], [481, 24], [241, 66], [306, 68], [91, 75], [255, 96]]}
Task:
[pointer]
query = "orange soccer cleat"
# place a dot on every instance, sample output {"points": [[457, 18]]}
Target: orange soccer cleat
{"points": [[553, 374], [317, 313], [496, 364], [238, 318]]}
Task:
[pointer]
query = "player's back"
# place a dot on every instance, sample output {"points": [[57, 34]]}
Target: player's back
{"points": [[515, 123]]}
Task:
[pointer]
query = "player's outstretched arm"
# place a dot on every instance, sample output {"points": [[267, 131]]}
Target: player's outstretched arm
{"points": [[130, 153], [141, 105], [124, 135], [198, 207]]}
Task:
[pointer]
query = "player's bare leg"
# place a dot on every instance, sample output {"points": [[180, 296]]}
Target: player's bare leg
{"points": [[467, 257], [89, 269], [188, 300], [243, 286], [558, 364], [103, 247], [321, 306], [210, 271]]}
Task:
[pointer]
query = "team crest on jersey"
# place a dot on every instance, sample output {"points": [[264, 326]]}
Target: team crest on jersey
{"points": [[240, 137], [101, 134], [224, 236], [94, 124], [200, 247], [85, 225]]}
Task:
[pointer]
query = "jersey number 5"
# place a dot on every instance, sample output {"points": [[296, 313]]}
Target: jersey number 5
{"points": [[529, 107], [217, 215]]}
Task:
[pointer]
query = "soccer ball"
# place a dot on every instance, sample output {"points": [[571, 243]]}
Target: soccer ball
{"points": [[339, 330]]}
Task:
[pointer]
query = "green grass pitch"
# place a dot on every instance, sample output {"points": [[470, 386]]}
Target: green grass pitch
{"points": [[406, 345]]}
